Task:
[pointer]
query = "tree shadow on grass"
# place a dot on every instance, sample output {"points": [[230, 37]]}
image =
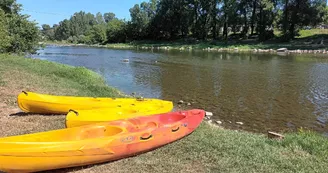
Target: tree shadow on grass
{"points": [[312, 42]]}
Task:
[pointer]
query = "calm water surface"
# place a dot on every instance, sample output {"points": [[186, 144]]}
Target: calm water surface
{"points": [[265, 92]]}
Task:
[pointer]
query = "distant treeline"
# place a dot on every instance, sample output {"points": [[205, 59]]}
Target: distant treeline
{"points": [[166, 20], [17, 33], [200, 19]]}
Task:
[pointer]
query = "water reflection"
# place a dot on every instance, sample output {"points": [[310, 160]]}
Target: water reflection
{"points": [[266, 92]]}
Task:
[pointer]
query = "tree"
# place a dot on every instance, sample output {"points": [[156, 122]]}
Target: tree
{"points": [[172, 19], [204, 18], [266, 18], [81, 22], [139, 20], [229, 9], [63, 31], [325, 17], [99, 34], [200, 19], [116, 31], [25, 34], [109, 16], [10, 6], [17, 33], [99, 18], [5, 39], [299, 13], [48, 32]]}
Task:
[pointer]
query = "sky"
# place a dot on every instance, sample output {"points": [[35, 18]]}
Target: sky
{"points": [[53, 11]]}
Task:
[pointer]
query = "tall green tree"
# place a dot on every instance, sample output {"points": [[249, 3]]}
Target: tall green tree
{"points": [[10, 6], [116, 31], [99, 34], [18, 34], [201, 19], [299, 13], [5, 39], [100, 18], [48, 32], [108, 17], [139, 20], [266, 18], [63, 31]]}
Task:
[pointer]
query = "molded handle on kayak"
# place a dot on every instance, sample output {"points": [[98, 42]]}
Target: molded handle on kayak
{"points": [[25, 92], [176, 129], [140, 99], [71, 110], [146, 138]]}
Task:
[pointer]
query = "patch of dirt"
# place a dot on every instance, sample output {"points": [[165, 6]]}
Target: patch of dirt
{"points": [[12, 124], [11, 118]]}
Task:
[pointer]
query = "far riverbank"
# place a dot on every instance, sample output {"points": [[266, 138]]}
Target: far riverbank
{"points": [[296, 47]]}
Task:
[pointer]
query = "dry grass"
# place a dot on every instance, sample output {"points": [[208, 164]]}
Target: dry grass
{"points": [[20, 124]]}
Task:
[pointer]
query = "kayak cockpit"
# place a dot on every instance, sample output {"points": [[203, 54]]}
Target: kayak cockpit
{"points": [[171, 118]]}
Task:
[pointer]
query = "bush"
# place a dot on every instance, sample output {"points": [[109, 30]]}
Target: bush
{"points": [[17, 33]]}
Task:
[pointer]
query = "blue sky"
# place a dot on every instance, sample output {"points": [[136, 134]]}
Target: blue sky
{"points": [[52, 11]]}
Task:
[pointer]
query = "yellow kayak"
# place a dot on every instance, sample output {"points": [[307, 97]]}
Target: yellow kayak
{"points": [[76, 118], [51, 104]]}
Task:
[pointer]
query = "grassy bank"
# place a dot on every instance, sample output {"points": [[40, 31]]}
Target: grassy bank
{"points": [[18, 73], [309, 41], [208, 149], [54, 78]]}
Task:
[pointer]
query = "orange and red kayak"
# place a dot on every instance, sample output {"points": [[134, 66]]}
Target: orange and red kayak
{"points": [[95, 143]]}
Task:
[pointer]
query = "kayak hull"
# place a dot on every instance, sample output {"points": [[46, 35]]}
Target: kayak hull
{"points": [[76, 118], [51, 104], [96, 143]]}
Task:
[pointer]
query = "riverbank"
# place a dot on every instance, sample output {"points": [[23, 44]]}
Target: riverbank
{"points": [[314, 44], [209, 149], [213, 47]]}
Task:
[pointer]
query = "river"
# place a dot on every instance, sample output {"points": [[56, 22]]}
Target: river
{"points": [[263, 91]]}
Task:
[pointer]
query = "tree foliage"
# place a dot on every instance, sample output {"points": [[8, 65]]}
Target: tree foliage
{"points": [[17, 33], [199, 19], [299, 13]]}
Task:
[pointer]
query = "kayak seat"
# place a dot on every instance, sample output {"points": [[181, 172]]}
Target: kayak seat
{"points": [[171, 118], [99, 132]]}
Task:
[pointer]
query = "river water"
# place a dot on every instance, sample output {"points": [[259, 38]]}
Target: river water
{"points": [[263, 91]]}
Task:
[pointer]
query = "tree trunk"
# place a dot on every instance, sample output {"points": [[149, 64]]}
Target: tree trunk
{"points": [[261, 25], [225, 28], [245, 29], [194, 31], [214, 29], [285, 22], [214, 13], [253, 17], [294, 20], [204, 33]]}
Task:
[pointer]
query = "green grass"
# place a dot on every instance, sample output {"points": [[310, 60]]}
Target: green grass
{"points": [[52, 76], [208, 149], [312, 32], [308, 40]]}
